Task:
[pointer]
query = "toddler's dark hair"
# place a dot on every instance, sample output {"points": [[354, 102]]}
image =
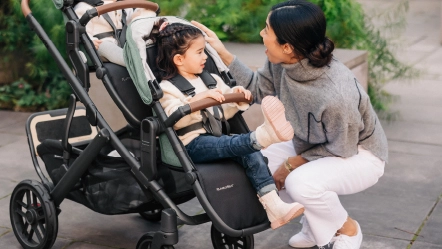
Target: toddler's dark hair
{"points": [[174, 39]]}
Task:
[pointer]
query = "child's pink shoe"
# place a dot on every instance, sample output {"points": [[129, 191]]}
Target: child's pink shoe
{"points": [[279, 212], [276, 128]]}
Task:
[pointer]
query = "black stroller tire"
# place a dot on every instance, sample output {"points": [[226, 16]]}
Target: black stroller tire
{"points": [[152, 215], [223, 241], [145, 242], [33, 215]]}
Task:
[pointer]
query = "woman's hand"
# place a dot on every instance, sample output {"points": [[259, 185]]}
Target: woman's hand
{"points": [[282, 172], [216, 43], [279, 176], [240, 89]]}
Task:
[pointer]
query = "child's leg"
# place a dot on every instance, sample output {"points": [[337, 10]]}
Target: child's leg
{"points": [[207, 148], [112, 52], [278, 212]]}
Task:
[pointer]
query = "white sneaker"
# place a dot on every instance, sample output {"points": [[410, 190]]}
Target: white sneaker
{"points": [[303, 239], [349, 242]]}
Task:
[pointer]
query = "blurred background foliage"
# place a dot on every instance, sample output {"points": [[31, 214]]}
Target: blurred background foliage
{"points": [[347, 25], [35, 83], [40, 84]]}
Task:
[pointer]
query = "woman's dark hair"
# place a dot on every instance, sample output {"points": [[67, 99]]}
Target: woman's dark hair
{"points": [[302, 24], [174, 39]]}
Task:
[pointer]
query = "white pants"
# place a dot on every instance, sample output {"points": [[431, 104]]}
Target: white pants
{"points": [[318, 183]]}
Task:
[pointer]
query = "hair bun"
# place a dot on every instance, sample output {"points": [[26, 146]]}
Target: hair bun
{"points": [[321, 55]]}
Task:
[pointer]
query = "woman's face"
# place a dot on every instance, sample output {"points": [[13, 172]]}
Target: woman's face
{"points": [[276, 52]]}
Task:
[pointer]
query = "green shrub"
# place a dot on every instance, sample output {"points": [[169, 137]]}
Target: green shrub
{"points": [[347, 25], [41, 85]]}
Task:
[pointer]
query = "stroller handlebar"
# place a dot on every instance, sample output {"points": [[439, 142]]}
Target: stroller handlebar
{"points": [[203, 104], [100, 10], [127, 4], [25, 7], [208, 102]]}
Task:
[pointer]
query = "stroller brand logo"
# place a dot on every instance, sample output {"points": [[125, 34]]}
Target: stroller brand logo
{"points": [[225, 187], [125, 79]]}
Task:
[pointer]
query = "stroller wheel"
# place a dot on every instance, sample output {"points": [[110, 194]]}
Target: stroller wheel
{"points": [[152, 215], [33, 215], [223, 241], [145, 242]]}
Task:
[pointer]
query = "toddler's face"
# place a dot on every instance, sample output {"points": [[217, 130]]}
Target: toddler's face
{"points": [[194, 58]]}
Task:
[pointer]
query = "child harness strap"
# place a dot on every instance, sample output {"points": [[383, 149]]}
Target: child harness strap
{"points": [[118, 34], [211, 123]]}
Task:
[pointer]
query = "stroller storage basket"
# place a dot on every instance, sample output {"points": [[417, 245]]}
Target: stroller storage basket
{"points": [[108, 187]]}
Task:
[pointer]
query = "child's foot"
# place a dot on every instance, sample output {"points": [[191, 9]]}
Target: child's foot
{"points": [[279, 212], [276, 128]]}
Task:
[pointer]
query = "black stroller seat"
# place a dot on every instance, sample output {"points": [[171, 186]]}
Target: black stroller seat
{"points": [[152, 174]]}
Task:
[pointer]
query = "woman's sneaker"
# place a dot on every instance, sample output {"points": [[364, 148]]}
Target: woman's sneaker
{"points": [[349, 242], [276, 128], [303, 239]]}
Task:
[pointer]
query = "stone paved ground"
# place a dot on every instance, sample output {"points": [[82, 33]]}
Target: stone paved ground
{"points": [[405, 202]]}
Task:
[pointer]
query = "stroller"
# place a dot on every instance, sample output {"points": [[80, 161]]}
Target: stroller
{"points": [[153, 174]]}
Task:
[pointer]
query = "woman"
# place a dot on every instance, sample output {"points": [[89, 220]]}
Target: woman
{"points": [[338, 138]]}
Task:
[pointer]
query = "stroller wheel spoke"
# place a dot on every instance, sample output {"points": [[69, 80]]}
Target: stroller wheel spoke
{"points": [[34, 198], [37, 233], [21, 203], [30, 234], [28, 198], [42, 228], [18, 211], [223, 241], [25, 228]]}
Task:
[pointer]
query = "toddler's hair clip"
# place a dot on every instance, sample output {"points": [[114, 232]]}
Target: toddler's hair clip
{"points": [[163, 25]]}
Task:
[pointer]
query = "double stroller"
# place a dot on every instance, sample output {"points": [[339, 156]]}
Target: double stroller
{"points": [[153, 173]]}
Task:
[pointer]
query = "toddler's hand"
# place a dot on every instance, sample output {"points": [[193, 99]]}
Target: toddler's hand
{"points": [[215, 94], [240, 89]]}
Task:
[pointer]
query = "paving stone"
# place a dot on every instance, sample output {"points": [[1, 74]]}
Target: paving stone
{"points": [[84, 245], [387, 216], [411, 148], [422, 245], [9, 241], [419, 93], [432, 63], [431, 231], [7, 186], [10, 119], [410, 176], [372, 242], [413, 132], [7, 138]]}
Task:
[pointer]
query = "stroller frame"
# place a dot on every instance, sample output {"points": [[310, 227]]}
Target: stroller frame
{"points": [[145, 172]]}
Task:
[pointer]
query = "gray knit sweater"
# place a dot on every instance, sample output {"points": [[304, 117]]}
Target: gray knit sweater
{"points": [[327, 107]]}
